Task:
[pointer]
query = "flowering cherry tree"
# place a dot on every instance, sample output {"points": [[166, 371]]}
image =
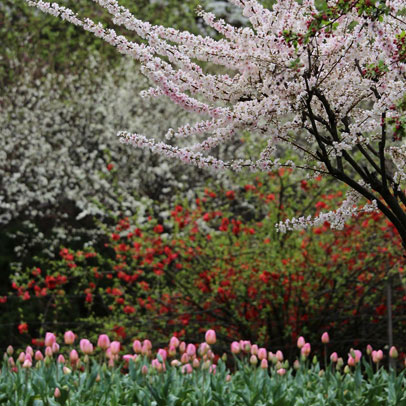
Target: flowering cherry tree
{"points": [[322, 79]]}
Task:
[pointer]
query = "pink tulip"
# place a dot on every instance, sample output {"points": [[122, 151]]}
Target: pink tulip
{"points": [[187, 369], [115, 347], [174, 342], [69, 337], [156, 364], [28, 356], [306, 349], [279, 355], [57, 393], [147, 344], [38, 356], [261, 353], [334, 357], [137, 347], [325, 339], [55, 348], [228, 378], [86, 346], [48, 352], [162, 353], [213, 368], [235, 347], [184, 359], [103, 341], [60, 359], [351, 361], [253, 360], [144, 370], [10, 350], [358, 355], [27, 364], [264, 363], [49, 339], [128, 357], [393, 352], [300, 342], [254, 349], [210, 337], [11, 361], [281, 371], [172, 351], [29, 350], [369, 349], [191, 350], [245, 345], [73, 356], [195, 363], [21, 357], [182, 347], [204, 348]]}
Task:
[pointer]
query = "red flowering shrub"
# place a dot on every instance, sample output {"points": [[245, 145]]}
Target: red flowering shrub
{"points": [[221, 263]]}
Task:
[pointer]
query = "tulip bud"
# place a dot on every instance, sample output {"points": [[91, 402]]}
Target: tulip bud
{"points": [[29, 350], [182, 347], [196, 363], [334, 357], [174, 342], [187, 369], [73, 356], [137, 347], [369, 349], [175, 363], [172, 351], [340, 363], [206, 364], [57, 393], [347, 369], [228, 378], [49, 339], [69, 337], [86, 346], [27, 364], [21, 357], [281, 371], [115, 347], [184, 359], [210, 337], [306, 349], [393, 352], [351, 361], [55, 348], [144, 370], [10, 350], [204, 348], [325, 339], [11, 362], [48, 352], [300, 342], [103, 341], [66, 370], [147, 344], [190, 350], [279, 355], [60, 359], [254, 349], [261, 353], [253, 360], [296, 365], [264, 363], [235, 347], [38, 356]]}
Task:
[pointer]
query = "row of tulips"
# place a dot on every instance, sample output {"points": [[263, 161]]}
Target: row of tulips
{"points": [[33, 377]]}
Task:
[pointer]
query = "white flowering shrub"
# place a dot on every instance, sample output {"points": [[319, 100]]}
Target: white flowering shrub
{"points": [[61, 164]]}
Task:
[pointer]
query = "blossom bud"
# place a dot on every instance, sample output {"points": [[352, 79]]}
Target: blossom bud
{"points": [[340, 363], [137, 347], [10, 350], [38, 356], [60, 359], [49, 339], [228, 378], [281, 371], [347, 369], [86, 346], [182, 347], [115, 347], [55, 348], [210, 337], [393, 352], [187, 369], [175, 363], [48, 352], [11, 362], [306, 349], [296, 365], [254, 349], [334, 357], [29, 350], [369, 349], [253, 360], [196, 363], [21, 357], [69, 337], [300, 342], [147, 344], [128, 357], [204, 348], [279, 355], [261, 353], [57, 393], [325, 339], [264, 363], [73, 356], [213, 368], [144, 370], [103, 341], [191, 350], [66, 370], [174, 342], [162, 353], [235, 347], [156, 364], [172, 351], [184, 359], [27, 363], [351, 361]]}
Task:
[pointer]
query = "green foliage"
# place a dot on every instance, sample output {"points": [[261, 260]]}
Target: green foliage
{"points": [[247, 386]]}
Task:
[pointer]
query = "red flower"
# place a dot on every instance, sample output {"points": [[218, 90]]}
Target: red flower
{"points": [[128, 310], [230, 194], [158, 229], [3, 299], [110, 166], [23, 328], [115, 237]]}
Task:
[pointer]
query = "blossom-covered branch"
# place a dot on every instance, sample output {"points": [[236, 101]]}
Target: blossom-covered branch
{"points": [[324, 79]]}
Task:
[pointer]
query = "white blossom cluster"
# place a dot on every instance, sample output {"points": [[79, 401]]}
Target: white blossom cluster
{"points": [[57, 145], [271, 72]]}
